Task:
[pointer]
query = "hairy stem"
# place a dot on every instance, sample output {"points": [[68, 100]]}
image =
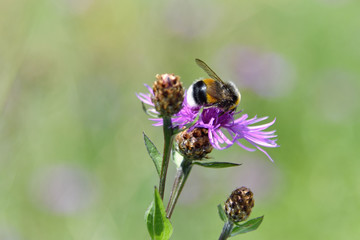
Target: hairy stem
{"points": [[180, 179], [226, 231], [168, 140]]}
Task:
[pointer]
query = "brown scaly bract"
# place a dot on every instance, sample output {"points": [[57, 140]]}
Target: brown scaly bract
{"points": [[238, 206], [194, 144], [168, 94]]}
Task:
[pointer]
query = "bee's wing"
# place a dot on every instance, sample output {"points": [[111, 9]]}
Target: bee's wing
{"points": [[208, 70], [214, 91]]}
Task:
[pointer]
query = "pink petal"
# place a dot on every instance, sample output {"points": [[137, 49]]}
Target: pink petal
{"points": [[259, 142], [244, 147], [265, 153], [222, 135], [219, 139], [243, 117], [262, 127], [254, 120], [149, 88]]}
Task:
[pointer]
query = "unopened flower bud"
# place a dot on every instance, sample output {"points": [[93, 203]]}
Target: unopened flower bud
{"points": [[238, 206], [194, 144], [168, 94]]}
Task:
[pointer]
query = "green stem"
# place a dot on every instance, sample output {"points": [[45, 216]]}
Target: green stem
{"points": [[168, 139], [180, 179], [226, 231]]}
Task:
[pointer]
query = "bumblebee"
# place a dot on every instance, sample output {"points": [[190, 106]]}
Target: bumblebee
{"points": [[213, 92]]}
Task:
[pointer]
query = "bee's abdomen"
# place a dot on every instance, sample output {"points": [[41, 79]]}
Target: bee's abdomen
{"points": [[199, 93]]}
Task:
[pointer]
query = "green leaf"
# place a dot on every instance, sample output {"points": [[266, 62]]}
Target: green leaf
{"points": [[154, 153], [162, 225], [149, 218], [216, 164], [222, 213], [248, 226], [158, 224]]}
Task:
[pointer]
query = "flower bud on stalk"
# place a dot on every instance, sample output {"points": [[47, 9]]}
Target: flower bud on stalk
{"points": [[167, 99], [168, 94], [194, 144], [238, 206]]}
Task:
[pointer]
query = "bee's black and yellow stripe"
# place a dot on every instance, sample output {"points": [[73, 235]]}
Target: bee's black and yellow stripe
{"points": [[237, 101], [199, 93], [212, 91]]}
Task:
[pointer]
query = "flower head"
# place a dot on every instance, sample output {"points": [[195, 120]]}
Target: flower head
{"points": [[194, 143], [239, 204], [168, 94], [223, 129]]}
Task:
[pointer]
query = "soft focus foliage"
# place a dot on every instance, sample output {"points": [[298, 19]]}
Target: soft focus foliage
{"points": [[72, 160]]}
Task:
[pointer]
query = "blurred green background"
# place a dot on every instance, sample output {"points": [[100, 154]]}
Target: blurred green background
{"points": [[72, 160]]}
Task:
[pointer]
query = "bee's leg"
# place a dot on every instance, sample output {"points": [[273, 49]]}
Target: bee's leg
{"points": [[227, 111], [207, 107], [232, 110], [222, 113]]}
